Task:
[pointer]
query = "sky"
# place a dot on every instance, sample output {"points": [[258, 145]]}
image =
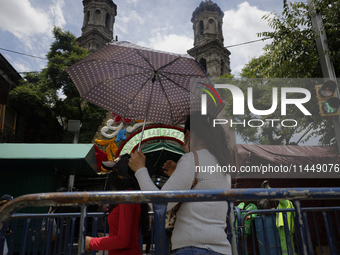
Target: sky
{"points": [[26, 26]]}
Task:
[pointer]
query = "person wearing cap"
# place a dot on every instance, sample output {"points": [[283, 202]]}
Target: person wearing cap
{"points": [[283, 204]]}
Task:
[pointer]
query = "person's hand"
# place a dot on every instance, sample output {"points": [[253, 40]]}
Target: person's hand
{"points": [[137, 160], [87, 243], [248, 217], [170, 167]]}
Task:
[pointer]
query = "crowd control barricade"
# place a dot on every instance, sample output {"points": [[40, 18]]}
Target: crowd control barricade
{"points": [[75, 235]]}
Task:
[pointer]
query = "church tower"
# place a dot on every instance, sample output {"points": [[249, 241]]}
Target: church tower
{"points": [[97, 30], [208, 47]]}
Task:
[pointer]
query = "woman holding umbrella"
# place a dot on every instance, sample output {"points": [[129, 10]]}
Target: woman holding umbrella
{"points": [[200, 227]]}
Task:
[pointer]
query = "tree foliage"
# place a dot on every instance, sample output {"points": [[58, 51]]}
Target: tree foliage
{"points": [[34, 96], [292, 53], [52, 95]]}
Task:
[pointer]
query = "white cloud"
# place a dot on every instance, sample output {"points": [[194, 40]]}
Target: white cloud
{"points": [[21, 19], [241, 26], [132, 17], [170, 43], [134, 2], [21, 66], [120, 29], [25, 65], [57, 13], [31, 25], [126, 23]]}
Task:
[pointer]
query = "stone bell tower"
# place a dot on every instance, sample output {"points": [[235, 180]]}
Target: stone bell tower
{"points": [[99, 18], [208, 47]]}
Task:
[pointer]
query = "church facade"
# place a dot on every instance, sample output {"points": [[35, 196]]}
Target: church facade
{"points": [[207, 19]]}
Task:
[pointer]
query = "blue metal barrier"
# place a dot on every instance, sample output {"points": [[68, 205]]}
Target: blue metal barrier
{"points": [[34, 241], [305, 246], [159, 199]]}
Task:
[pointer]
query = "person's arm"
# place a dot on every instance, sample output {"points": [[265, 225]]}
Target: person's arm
{"points": [[123, 238], [253, 208], [182, 177]]}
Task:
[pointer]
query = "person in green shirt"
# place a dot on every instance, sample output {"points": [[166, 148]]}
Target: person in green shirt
{"points": [[284, 204], [249, 206]]}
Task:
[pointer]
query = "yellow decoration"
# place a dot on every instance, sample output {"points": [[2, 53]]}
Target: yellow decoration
{"points": [[103, 142], [103, 169], [111, 148]]}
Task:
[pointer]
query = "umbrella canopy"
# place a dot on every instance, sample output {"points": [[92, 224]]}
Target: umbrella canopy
{"points": [[135, 82]]}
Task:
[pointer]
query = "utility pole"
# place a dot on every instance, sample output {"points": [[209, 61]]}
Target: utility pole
{"points": [[73, 126], [326, 64]]}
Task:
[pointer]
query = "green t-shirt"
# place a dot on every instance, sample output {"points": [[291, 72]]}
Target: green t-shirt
{"points": [[249, 207]]}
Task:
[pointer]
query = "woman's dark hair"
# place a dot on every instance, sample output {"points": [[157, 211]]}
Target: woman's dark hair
{"points": [[214, 138], [123, 178]]}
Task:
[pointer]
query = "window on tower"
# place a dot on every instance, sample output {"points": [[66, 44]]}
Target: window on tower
{"points": [[200, 28], [222, 67], [203, 62], [107, 20], [87, 18]]}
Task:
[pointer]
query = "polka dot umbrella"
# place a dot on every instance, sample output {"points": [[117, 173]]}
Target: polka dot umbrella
{"points": [[136, 82]]}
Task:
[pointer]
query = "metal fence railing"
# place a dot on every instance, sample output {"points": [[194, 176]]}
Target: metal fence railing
{"points": [[309, 238], [320, 225], [61, 234]]}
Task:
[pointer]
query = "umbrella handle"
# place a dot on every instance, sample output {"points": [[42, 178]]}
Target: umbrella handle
{"points": [[146, 115]]}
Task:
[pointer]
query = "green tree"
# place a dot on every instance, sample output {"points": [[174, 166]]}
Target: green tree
{"points": [[35, 101], [292, 53], [52, 94]]}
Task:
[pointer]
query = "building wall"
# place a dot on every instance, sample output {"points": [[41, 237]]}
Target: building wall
{"points": [[9, 79]]}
